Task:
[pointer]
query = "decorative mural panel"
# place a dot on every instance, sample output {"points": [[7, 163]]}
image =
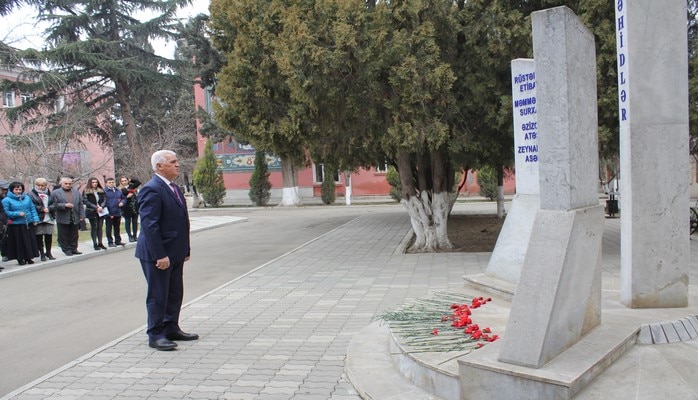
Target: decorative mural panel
{"points": [[233, 156], [244, 162]]}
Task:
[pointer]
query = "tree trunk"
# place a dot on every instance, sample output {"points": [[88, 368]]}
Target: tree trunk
{"points": [[500, 202], [429, 221], [454, 196], [442, 176], [428, 210], [500, 193], [441, 209], [347, 187], [290, 197], [129, 121]]}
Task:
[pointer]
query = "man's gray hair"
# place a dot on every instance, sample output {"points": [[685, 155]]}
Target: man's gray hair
{"points": [[159, 157]]}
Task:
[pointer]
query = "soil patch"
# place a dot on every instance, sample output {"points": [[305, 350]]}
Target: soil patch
{"points": [[472, 233]]}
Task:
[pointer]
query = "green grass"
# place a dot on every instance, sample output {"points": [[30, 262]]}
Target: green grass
{"points": [[85, 236]]}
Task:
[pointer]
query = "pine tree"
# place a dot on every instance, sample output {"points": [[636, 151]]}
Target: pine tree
{"points": [[99, 55], [328, 194], [260, 187], [255, 99], [328, 187], [422, 85], [208, 179]]}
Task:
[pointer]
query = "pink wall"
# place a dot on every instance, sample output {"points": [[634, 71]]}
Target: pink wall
{"points": [[82, 157], [364, 183]]}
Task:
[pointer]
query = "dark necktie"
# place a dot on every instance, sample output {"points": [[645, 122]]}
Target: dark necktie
{"points": [[176, 192]]}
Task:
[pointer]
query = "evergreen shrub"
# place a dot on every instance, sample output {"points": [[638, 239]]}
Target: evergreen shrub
{"points": [[260, 187]]}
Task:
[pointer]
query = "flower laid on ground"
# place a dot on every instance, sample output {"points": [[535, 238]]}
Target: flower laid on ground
{"points": [[461, 318], [423, 326]]}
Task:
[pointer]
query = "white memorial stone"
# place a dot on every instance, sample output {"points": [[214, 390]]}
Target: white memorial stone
{"points": [[523, 96], [558, 295], [508, 255], [653, 103]]}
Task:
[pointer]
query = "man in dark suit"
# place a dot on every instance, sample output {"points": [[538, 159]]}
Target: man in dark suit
{"points": [[163, 247]]}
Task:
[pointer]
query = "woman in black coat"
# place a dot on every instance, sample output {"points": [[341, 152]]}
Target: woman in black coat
{"points": [[130, 209], [95, 202]]}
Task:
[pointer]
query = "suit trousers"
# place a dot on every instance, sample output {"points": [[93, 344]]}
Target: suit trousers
{"points": [[164, 298], [115, 224], [68, 235]]}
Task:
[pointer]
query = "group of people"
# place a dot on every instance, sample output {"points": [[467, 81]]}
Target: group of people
{"points": [[27, 218], [163, 246], [106, 206]]}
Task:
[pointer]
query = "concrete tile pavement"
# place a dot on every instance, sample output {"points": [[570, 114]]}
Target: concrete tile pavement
{"points": [[282, 330], [279, 332]]}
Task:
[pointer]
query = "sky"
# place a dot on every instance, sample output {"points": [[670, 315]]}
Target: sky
{"points": [[21, 30]]}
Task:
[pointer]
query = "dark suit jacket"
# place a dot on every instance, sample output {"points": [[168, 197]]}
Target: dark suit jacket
{"points": [[164, 223]]}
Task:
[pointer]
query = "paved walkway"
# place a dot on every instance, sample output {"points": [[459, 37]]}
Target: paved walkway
{"points": [[198, 223], [282, 330]]}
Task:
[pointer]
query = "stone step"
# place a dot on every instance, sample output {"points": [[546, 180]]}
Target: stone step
{"points": [[493, 286], [370, 367], [681, 330], [426, 375], [483, 376], [380, 368]]}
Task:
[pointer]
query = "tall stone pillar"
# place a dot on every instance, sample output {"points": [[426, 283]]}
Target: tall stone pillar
{"points": [[653, 95], [508, 255], [558, 295]]}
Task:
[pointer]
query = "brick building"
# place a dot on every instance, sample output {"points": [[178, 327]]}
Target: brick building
{"points": [[25, 156], [237, 163]]}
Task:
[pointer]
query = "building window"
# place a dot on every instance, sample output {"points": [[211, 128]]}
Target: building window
{"points": [[26, 97], [71, 163], [319, 173], [8, 99], [382, 168]]}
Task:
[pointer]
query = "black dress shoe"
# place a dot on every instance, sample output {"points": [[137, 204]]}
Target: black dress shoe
{"points": [[162, 344], [68, 253], [101, 246], [77, 252], [97, 247], [50, 257], [179, 335], [21, 262], [30, 261], [120, 244], [43, 257]]}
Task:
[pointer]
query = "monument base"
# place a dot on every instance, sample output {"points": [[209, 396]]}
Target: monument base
{"points": [[482, 376], [510, 251], [490, 285], [558, 296]]}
